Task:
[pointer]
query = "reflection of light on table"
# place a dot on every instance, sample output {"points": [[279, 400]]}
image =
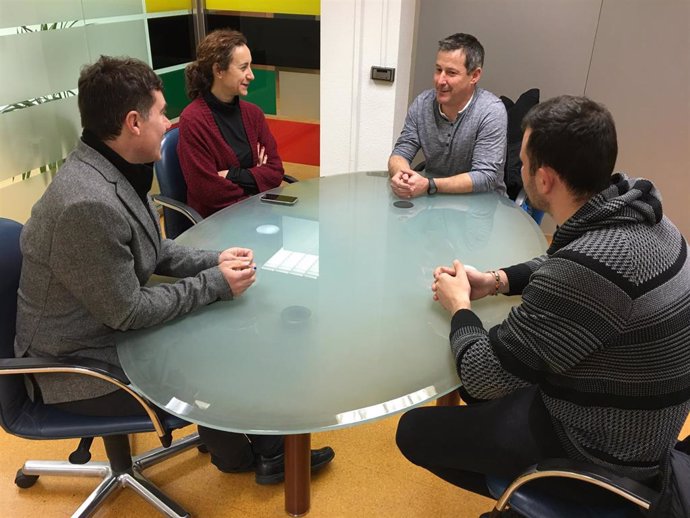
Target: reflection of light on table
{"points": [[293, 263], [177, 406], [299, 254], [387, 407], [268, 229]]}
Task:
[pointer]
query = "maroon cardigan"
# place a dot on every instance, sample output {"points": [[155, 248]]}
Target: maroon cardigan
{"points": [[203, 152]]}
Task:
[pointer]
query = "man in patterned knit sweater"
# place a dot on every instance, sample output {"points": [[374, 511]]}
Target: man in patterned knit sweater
{"points": [[594, 364]]}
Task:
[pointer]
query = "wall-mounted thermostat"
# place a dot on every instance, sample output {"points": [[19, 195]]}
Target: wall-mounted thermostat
{"points": [[383, 74]]}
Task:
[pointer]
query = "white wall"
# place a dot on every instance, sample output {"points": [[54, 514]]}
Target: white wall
{"points": [[632, 55], [361, 118], [531, 43]]}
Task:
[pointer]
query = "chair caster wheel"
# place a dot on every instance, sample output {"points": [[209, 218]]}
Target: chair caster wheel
{"points": [[24, 481], [79, 457], [202, 448]]}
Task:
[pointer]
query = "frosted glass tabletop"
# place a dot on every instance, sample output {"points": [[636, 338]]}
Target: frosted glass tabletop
{"points": [[340, 326]]}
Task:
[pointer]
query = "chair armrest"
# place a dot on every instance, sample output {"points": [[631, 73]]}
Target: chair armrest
{"points": [[85, 367], [178, 206], [42, 365], [627, 488], [289, 179]]}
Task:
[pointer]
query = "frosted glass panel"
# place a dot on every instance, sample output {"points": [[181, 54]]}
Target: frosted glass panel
{"points": [[36, 136], [103, 9], [41, 63], [14, 13], [117, 39], [17, 199], [37, 64]]}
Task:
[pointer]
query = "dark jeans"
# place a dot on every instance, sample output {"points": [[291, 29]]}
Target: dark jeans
{"points": [[229, 451], [503, 437]]}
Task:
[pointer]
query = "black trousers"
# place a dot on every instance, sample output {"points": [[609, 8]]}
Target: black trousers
{"points": [[229, 451], [462, 444], [502, 437]]}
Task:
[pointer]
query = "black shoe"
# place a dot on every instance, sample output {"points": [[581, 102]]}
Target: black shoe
{"points": [[271, 470], [225, 468]]}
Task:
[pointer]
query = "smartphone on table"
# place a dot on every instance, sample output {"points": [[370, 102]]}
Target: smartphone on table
{"points": [[280, 199]]}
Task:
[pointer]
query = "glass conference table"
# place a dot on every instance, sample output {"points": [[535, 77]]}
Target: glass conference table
{"points": [[340, 327]]}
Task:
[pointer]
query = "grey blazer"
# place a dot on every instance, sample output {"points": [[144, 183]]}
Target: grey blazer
{"points": [[89, 248]]}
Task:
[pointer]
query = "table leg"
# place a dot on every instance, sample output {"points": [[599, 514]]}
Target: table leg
{"points": [[297, 474], [450, 399]]}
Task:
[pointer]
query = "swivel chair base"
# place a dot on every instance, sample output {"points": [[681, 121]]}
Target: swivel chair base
{"points": [[127, 474]]}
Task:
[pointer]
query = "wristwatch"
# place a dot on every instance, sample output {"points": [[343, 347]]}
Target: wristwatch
{"points": [[432, 189]]}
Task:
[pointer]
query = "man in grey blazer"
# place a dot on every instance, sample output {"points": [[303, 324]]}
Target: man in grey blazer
{"points": [[91, 245]]}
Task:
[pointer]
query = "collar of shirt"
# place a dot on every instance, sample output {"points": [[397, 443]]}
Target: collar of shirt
{"points": [[219, 106], [440, 108]]}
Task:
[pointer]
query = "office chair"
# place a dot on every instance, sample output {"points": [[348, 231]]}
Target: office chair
{"points": [[177, 215], [523, 201], [532, 502], [21, 416]]}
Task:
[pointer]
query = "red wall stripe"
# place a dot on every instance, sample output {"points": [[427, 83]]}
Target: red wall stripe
{"points": [[297, 141]]}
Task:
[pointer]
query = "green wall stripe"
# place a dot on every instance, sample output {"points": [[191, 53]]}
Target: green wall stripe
{"points": [[173, 88], [262, 91]]}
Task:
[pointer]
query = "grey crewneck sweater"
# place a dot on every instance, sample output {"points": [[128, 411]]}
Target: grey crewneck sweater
{"points": [[475, 143]]}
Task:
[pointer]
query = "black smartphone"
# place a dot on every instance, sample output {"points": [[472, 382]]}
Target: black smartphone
{"points": [[280, 199]]}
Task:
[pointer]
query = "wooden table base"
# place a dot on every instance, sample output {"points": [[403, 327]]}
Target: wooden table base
{"points": [[298, 465], [297, 474], [450, 399]]}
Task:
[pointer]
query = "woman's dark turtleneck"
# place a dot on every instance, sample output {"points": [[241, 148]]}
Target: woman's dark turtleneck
{"points": [[228, 117]]}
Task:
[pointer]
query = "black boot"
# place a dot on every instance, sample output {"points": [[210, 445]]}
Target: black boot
{"points": [[271, 470]]}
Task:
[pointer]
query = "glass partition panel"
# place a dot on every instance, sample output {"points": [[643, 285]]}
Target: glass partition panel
{"points": [[39, 135], [103, 9], [17, 198], [44, 44], [40, 63], [118, 39], [15, 13]]}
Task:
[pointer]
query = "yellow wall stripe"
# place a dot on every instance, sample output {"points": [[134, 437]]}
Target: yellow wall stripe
{"points": [[310, 7], [157, 6]]}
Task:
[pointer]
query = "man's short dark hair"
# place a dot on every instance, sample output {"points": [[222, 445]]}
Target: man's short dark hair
{"points": [[473, 50], [111, 88], [576, 137]]}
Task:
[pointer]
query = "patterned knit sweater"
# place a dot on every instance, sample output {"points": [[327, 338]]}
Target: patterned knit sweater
{"points": [[603, 329]]}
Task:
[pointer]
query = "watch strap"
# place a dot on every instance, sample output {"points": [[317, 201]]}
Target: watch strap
{"points": [[432, 189]]}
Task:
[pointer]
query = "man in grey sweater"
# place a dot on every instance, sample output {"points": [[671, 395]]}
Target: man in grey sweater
{"points": [[460, 128]]}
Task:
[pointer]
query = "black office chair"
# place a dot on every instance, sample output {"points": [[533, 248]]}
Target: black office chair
{"points": [[21, 416], [177, 215], [527, 498]]}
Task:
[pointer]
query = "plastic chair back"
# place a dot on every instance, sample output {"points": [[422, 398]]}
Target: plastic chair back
{"points": [[172, 184]]}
